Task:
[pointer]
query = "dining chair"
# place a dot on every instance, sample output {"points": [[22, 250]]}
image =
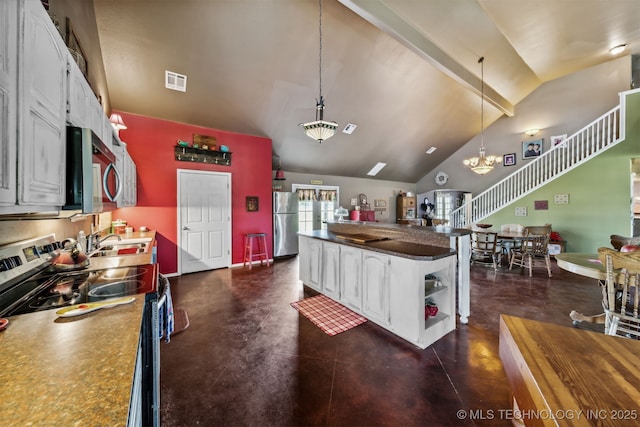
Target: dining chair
{"points": [[484, 246], [621, 294], [534, 248], [507, 245]]}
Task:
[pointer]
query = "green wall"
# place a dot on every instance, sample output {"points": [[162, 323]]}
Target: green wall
{"points": [[600, 193]]}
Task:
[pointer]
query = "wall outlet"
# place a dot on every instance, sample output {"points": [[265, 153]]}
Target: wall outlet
{"points": [[354, 201], [521, 211]]}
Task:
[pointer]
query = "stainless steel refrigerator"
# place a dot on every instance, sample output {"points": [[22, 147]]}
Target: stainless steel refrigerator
{"points": [[285, 224]]}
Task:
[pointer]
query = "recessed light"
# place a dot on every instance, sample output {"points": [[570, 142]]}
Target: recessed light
{"points": [[349, 128], [377, 168], [431, 150], [617, 49]]}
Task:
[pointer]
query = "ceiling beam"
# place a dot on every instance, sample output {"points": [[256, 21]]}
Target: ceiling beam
{"points": [[381, 16]]}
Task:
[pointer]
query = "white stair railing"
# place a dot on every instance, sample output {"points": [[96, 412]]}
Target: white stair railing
{"points": [[593, 139]]}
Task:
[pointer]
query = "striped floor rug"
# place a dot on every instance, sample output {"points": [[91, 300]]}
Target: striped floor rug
{"points": [[328, 315]]}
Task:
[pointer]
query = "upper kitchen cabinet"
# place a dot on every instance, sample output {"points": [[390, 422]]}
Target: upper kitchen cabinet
{"points": [[84, 109], [127, 168], [8, 101], [42, 85], [38, 138]]}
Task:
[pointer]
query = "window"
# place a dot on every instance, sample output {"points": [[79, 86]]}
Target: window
{"points": [[316, 205]]}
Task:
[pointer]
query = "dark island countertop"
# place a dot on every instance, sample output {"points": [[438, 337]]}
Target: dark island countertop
{"points": [[399, 248]]}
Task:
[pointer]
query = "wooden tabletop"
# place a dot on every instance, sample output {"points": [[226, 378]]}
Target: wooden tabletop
{"points": [[584, 264], [582, 378]]}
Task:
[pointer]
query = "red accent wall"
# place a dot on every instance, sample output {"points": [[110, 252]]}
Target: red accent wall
{"points": [[151, 144]]}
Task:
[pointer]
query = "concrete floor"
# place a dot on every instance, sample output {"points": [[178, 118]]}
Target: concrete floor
{"points": [[249, 359]]}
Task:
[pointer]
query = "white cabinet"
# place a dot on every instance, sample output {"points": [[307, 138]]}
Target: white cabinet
{"points": [[42, 83], [80, 97], [33, 111], [351, 277], [8, 102], [388, 290], [311, 263], [127, 168], [410, 294], [331, 270], [375, 292]]}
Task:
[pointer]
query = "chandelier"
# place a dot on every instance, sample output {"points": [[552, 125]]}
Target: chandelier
{"points": [[320, 129], [482, 164]]}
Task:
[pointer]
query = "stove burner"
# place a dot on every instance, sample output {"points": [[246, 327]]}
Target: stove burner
{"points": [[44, 302], [64, 287], [108, 290]]}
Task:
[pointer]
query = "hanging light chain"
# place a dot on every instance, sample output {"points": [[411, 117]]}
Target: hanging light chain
{"points": [[481, 61], [320, 51]]}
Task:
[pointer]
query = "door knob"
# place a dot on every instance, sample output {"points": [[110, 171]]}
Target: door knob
{"points": [[184, 227]]}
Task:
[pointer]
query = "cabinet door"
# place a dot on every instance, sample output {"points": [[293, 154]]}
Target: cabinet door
{"points": [[130, 181], [80, 96], [304, 258], [375, 286], [331, 269], [315, 264], [8, 101], [350, 277], [42, 84]]}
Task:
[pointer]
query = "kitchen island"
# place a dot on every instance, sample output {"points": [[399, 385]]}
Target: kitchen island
{"points": [[386, 273]]}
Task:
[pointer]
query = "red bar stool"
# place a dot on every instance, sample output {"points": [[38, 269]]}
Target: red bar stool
{"points": [[260, 246]]}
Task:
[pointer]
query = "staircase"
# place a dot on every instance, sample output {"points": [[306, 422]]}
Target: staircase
{"points": [[595, 138]]}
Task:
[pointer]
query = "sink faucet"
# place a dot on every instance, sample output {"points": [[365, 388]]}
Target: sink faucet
{"points": [[108, 236], [95, 244]]}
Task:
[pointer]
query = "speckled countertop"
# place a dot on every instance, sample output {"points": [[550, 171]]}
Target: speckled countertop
{"points": [[74, 371], [390, 246]]}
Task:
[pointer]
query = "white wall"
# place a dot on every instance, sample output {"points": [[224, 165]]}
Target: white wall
{"points": [[561, 106]]}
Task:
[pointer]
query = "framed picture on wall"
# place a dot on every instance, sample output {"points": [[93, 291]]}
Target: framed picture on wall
{"points": [[509, 159], [532, 149], [252, 204], [558, 141]]}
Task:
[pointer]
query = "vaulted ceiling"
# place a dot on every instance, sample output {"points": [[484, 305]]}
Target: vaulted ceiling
{"points": [[405, 72]]}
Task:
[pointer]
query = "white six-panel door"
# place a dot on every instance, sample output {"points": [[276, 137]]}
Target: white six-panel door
{"points": [[204, 220]]}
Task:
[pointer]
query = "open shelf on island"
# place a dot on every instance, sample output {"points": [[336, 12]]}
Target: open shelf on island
{"points": [[432, 320]]}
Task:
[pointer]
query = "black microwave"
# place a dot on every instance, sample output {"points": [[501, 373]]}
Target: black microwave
{"points": [[94, 183]]}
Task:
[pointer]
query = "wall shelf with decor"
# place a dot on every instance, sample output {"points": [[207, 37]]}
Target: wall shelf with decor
{"points": [[190, 154]]}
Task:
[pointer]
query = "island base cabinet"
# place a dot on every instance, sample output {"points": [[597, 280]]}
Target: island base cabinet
{"points": [[375, 287], [330, 270], [351, 277], [310, 262], [388, 290], [411, 292]]}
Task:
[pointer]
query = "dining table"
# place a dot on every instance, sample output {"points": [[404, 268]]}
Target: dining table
{"points": [[587, 265]]}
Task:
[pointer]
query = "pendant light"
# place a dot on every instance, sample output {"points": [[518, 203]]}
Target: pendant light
{"points": [[320, 129], [482, 164], [279, 173]]}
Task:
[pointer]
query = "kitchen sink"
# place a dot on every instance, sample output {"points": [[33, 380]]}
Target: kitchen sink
{"points": [[123, 247]]}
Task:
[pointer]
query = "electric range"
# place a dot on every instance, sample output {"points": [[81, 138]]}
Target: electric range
{"points": [[28, 283]]}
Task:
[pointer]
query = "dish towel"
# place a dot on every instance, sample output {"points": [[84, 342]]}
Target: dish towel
{"points": [[165, 316]]}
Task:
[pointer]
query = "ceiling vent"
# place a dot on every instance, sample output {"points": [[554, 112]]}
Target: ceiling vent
{"points": [[175, 81], [349, 128]]}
